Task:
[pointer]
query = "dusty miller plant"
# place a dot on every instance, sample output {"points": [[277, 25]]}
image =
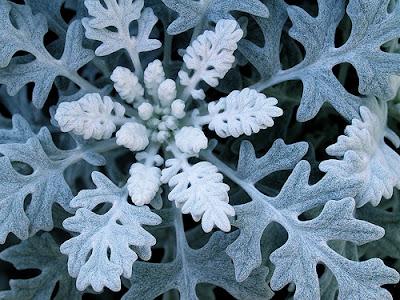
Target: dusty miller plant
{"points": [[252, 145]]}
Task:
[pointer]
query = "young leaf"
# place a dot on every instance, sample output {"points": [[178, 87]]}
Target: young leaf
{"points": [[242, 112], [191, 140], [96, 257], [133, 136], [210, 56], [199, 190], [143, 183], [91, 116], [127, 84], [366, 156]]}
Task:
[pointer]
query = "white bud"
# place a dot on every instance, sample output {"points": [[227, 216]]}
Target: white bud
{"points": [[144, 183], [153, 76], [145, 111], [198, 94], [132, 136], [167, 92], [162, 136], [153, 123], [178, 109], [158, 110], [162, 126], [91, 116], [190, 140], [127, 84], [170, 122], [158, 160], [153, 137]]}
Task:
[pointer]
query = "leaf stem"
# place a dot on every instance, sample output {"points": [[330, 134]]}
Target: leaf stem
{"points": [[134, 56], [181, 241], [151, 154], [78, 153], [227, 171], [280, 76], [83, 83], [167, 47]]}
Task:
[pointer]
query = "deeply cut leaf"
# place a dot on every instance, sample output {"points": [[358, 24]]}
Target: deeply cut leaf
{"points": [[96, 257]]}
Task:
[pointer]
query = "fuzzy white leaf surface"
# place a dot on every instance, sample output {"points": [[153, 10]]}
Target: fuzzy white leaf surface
{"points": [[102, 252], [120, 14], [143, 42], [145, 111], [199, 190], [117, 14], [242, 112], [132, 136], [127, 84], [191, 140], [363, 154], [144, 183], [91, 116], [167, 92], [153, 76], [172, 167], [210, 56], [178, 109]]}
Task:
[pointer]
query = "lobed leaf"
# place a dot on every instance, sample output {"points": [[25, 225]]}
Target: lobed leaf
{"points": [[192, 13], [120, 14], [45, 186], [199, 190], [307, 245], [42, 253], [209, 264], [365, 156], [96, 257], [44, 68], [375, 68]]}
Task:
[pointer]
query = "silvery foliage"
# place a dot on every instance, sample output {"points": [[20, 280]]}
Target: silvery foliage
{"points": [[143, 111]]}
